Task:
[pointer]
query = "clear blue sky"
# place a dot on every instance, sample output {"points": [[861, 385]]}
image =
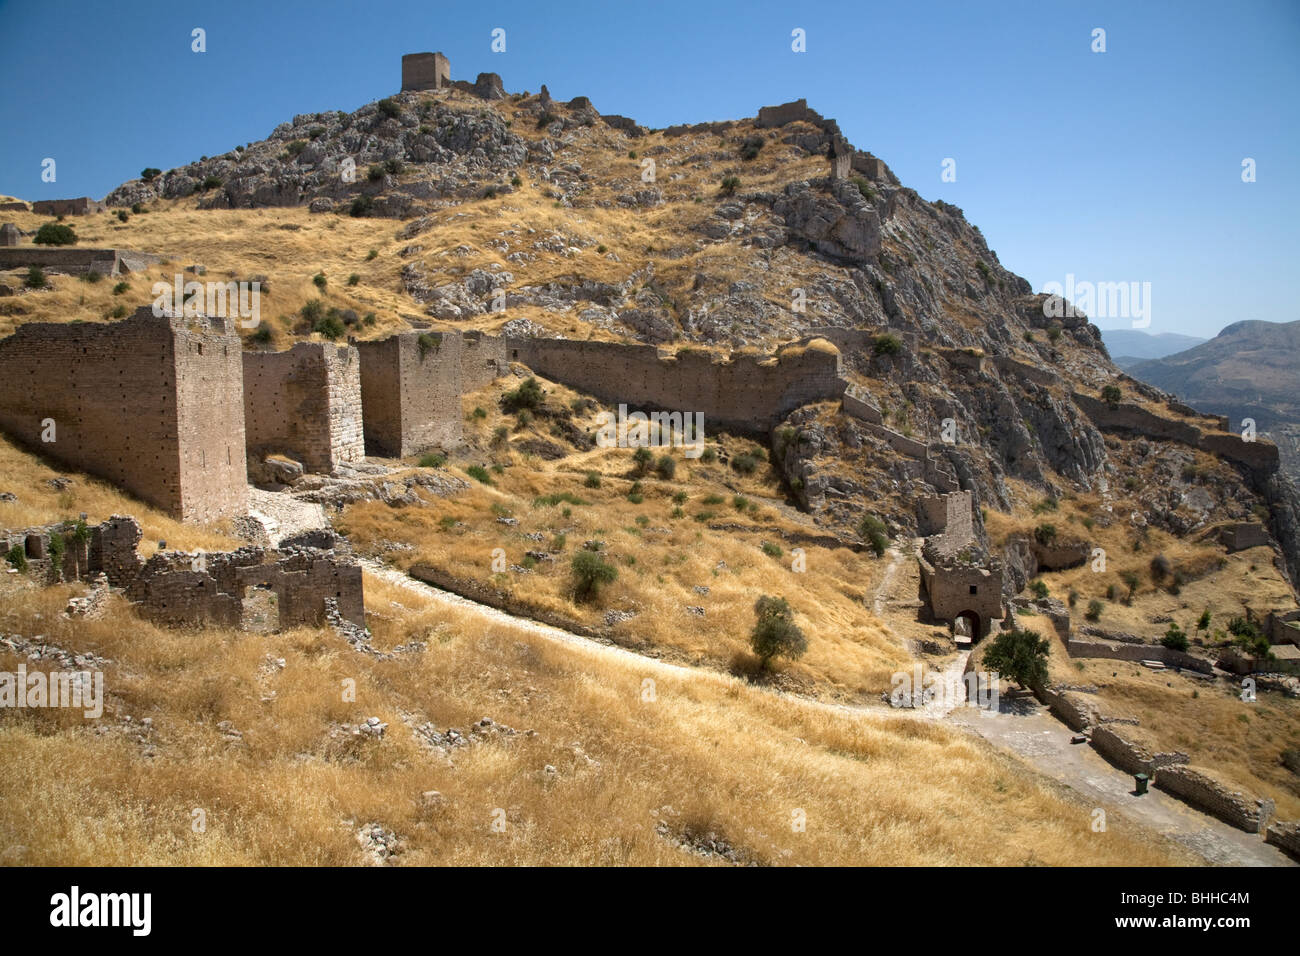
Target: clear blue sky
{"points": [[1122, 166]]}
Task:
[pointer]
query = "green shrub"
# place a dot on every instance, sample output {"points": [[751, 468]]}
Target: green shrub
{"points": [[478, 412], [590, 573], [117, 312], [360, 206], [746, 463], [528, 395], [479, 473], [329, 327], [389, 107], [296, 147], [592, 480], [354, 279], [149, 174], [740, 502], [210, 182], [1174, 638], [263, 334], [775, 634], [427, 343], [1039, 589], [121, 287], [500, 434], [372, 254], [729, 185], [771, 550], [1095, 608], [666, 467], [1045, 534], [1111, 395], [872, 530], [433, 460], [642, 458], [319, 280], [35, 278], [550, 501], [55, 234], [887, 344], [17, 557], [709, 456]]}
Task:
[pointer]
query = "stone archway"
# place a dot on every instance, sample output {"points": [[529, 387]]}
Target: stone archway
{"points": [[967, 624]]}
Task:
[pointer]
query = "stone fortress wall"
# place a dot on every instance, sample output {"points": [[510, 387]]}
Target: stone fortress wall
{"points": [[153, 405], [747, 393], [305, 403]]}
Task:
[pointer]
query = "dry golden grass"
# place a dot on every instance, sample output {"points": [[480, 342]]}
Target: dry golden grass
{"points": [[708, 754], [27, 477]]}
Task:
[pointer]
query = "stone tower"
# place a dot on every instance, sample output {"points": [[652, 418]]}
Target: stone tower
{"points": [[425, 71]]}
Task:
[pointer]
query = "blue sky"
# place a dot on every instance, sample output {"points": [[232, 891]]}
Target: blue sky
{"points": [[1115, 166]]}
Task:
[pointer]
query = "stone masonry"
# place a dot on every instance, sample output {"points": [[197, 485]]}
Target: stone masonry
{"points": [[411, 385], [304, 403], [956, 585], [177, 588], [152, 404], [81, 206], [425, 71]]}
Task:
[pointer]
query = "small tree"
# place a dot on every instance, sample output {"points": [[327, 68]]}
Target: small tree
{"points": [[528, 395], [666, 466], [1020, 656], [149, 174], [775, 633], [1111, 395], [590, 573], [35, 278], [55, 234], [872, 530], [1203, 622]]}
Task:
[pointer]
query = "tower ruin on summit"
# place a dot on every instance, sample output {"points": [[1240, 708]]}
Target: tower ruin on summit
{"points": [[425, 71]]}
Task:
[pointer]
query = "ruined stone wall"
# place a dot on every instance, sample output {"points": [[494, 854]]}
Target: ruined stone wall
{"points": [[483, 359], [304, 403], [1197, 787], [1116, 742], [1071, 708], [1259, 455], [410, 394], [1286, 836], [81, 206], [62, 259], [1137, 653], [747, 393], [151, 404]]}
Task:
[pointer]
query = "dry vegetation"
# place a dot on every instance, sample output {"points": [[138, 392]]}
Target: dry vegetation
{"points": [[709, 755]]}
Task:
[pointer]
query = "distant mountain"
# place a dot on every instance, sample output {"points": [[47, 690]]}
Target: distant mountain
{"points": [[1127, 347], [1249, 370]]}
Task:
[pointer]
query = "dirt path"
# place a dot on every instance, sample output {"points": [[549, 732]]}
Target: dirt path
{"points": [[1022, 726]]}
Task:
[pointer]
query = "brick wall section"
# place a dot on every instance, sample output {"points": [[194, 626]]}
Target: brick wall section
{"points": [[1285, 835], [304, 403], [745, 393], [153, 405], [410, 396], [1072, 709], [1199, 788], [483, 360], [1115, 742]]}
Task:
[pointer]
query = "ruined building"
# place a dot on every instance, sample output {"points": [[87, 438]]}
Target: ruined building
{"points": [[152, 404], [962, 585], [283, 587]]}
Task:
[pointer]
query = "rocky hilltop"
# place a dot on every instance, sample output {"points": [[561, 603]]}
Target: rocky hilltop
{"points": [[748, 234]]}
